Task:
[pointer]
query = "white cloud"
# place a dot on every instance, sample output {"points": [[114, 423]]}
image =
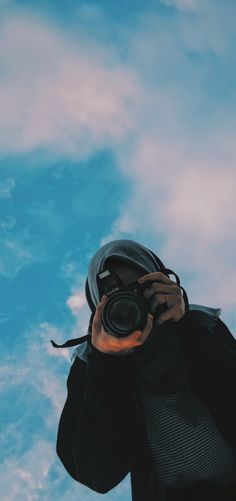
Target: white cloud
{"points": [[5, 3], [11, 377], [4, 316], [195, 203], [18, 251], [177, 192], [31, 469], [182, 164], [47, 216], [25, 481], [55, 95], [181, 4], [6, 188], [76, 301], [183, 180], [7, 223], [37, 474], [182, 207]]}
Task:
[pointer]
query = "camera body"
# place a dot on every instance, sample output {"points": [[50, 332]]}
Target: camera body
{"points": [[126, 309]]}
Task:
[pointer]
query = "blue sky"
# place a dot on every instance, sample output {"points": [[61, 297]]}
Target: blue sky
{"points": [[117, 121]]}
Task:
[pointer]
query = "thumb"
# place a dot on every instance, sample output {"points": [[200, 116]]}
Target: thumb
{"points": [[135, 335]]}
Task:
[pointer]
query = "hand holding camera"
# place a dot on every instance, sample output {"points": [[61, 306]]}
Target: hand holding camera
{"points": [[107, 343], [124, 317], [164, 291]]}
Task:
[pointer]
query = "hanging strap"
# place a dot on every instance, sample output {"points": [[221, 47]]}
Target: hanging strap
{"points": [[71, 342]]}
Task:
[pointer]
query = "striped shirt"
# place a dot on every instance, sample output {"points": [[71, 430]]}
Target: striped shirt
{"points": [[185, 444]]}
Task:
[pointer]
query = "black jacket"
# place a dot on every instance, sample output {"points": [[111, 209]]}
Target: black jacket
{"points": [[101, 435]]}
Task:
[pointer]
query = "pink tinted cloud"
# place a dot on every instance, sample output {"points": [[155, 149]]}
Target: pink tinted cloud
{"points": [[54, 94], [76, 301]]}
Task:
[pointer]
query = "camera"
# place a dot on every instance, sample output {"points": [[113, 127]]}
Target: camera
{"points": [[126, 309]]}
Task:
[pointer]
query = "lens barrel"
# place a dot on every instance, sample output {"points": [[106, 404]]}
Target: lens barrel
{"points": [[124, 313]]}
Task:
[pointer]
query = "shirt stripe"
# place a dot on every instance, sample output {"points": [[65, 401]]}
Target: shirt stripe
{"points": [[186, 446]]}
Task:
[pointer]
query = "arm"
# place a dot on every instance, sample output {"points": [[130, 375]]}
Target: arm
{"points": [[93, 435], [212, 369], [97, 427], [211, 350]]}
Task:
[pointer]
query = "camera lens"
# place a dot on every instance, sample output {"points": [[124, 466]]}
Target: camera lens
{"points": [[124, 313]]}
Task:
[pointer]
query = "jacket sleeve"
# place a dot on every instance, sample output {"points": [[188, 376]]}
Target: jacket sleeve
{"points": [[93, 434], [211, 357], [209, 349]]}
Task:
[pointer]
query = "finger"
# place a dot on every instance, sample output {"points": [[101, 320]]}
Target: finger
{"points": [[157, 300], [145, 333], [148, 327], [158, 275], [157, 288], [167, 315], [97, 319], [136, 337], [128, 341], [174, 313]]}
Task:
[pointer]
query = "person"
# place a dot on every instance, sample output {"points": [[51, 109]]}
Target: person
{"points": [[158, 403]]}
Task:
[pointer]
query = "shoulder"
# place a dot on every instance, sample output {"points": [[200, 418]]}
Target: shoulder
{"points": [[210, 318], [205, 315], [81, 352], [224, 335]]}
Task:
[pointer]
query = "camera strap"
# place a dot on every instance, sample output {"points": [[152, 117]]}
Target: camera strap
{"points": [[71, 342]]}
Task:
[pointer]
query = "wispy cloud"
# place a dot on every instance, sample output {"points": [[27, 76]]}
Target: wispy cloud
{"points": [[76, 301], [25, 480], [7, 223], [6, 188], [47, 216], [30, 469], [19, 251], [181, 4]]}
